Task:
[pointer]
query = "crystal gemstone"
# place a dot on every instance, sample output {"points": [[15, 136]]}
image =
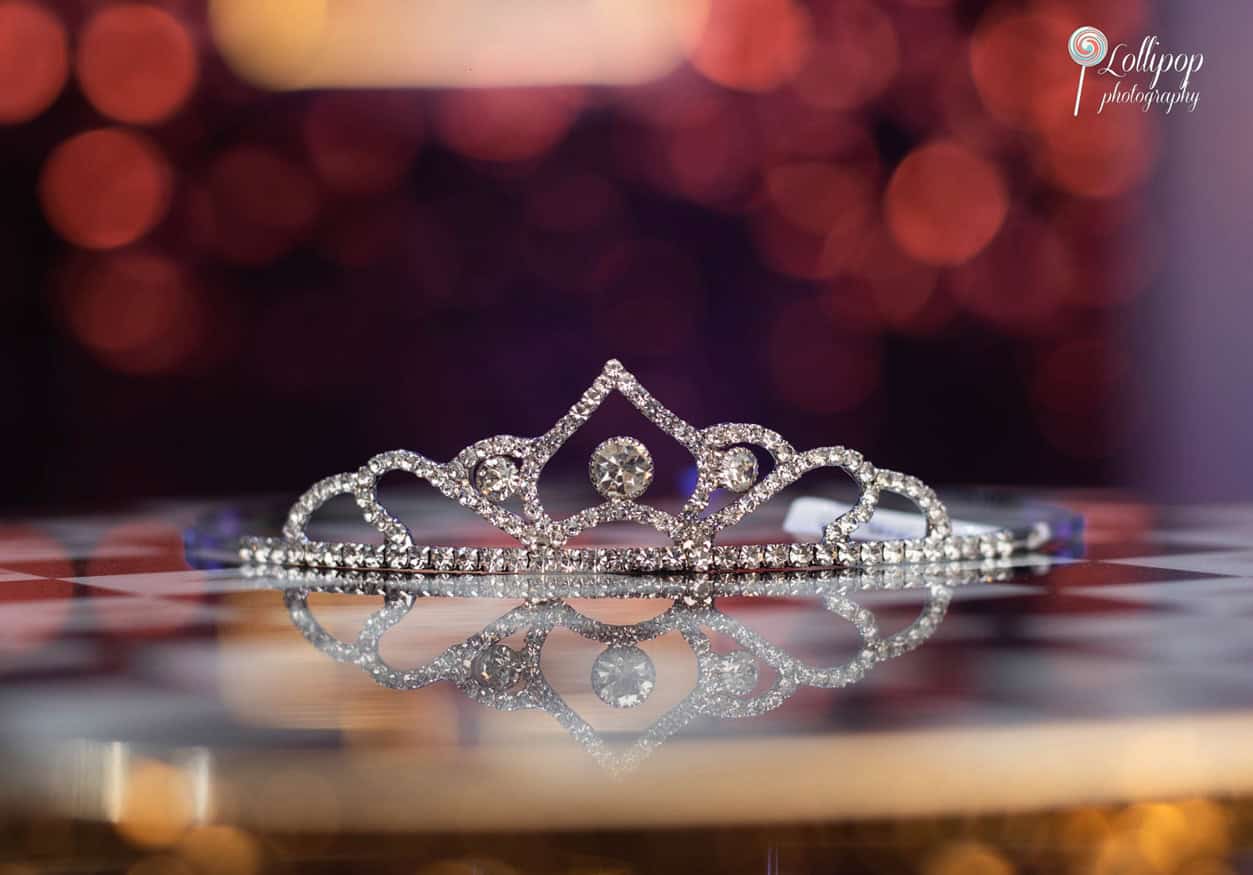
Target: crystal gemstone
{"points": [[495, 667], [623, 676], [497, 478], [621, 468]]}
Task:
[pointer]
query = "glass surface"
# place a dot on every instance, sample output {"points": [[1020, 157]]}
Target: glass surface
{"points": [[149, 704]]}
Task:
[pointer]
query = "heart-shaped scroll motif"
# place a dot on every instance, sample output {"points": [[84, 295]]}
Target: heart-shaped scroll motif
{"points": [[493, 673], [487, 473]]}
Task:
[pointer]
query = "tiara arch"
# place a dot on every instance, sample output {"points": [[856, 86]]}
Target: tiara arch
{"points": [[489, 472]]}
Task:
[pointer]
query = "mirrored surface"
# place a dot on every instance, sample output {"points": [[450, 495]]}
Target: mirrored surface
{"points": [[155, 701]]}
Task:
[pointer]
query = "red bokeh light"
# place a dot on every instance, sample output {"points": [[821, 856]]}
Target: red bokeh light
{"points": [[944, 203], [901, 290], [1043, 272], [713, 160], [753, 45], [260, 205], [822, 198], [135, 311], [105, 188], [34, 60], [363, 143], [1100, 160], [136, 63], [512, 124], [1022, 71], [854, 57]]}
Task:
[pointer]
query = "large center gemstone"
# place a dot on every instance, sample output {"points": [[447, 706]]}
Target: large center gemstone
{"points": [[621, 468]]}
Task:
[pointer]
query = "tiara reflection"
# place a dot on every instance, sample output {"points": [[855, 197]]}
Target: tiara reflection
{"points": [[508, 678]]}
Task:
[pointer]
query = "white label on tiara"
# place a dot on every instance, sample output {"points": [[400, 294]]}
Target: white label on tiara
{"points": [[807, 515]]}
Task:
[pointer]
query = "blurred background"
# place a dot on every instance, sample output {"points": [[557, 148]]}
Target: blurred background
{"points": [[247, 243]]}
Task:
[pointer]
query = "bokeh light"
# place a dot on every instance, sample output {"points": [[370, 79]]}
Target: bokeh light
{"points": [[1100, 161], [968, 858], [105, 188], [506, 124], [136, 63], [753, 45], [136, 311], [221, 850], [260, 204], [944, 203], [274, 42], [362, 143], [157, 804], [34, 60], [1022, 75], [1044, 267], [908, 174], [822, 198], [854, 58]]}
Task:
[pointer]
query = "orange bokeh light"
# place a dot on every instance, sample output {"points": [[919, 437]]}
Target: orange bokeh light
{"points": [[34, 60], [944, 203], [362, 143], [511, 124], [855, 57], [135, 311], [136, 63], [105, 188], [753, 45]]}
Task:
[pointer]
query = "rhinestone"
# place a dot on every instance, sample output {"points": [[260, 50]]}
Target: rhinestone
{"points": [[738, 469], [498, 478], [698, 554], [621, 468], [496, 667], [752, 556], [443, 558], [776, 556], [736, 673], [623, 676], [466, 559], [800, 556]]}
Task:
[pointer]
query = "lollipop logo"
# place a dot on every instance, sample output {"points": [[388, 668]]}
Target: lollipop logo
{"points": [[1152, 64], [1088, 47]]}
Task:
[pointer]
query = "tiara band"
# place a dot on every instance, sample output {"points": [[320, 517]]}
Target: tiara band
{"points": [[486, 474]]}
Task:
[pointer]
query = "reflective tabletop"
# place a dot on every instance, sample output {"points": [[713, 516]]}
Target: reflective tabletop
{"points": [[1080, 711]]}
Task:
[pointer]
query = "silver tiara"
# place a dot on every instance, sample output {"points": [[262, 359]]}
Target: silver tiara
{"points": [[487, 474]]}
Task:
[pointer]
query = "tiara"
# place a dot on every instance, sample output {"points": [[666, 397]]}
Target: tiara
{"points": [[487, 474], [512, 678]]}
